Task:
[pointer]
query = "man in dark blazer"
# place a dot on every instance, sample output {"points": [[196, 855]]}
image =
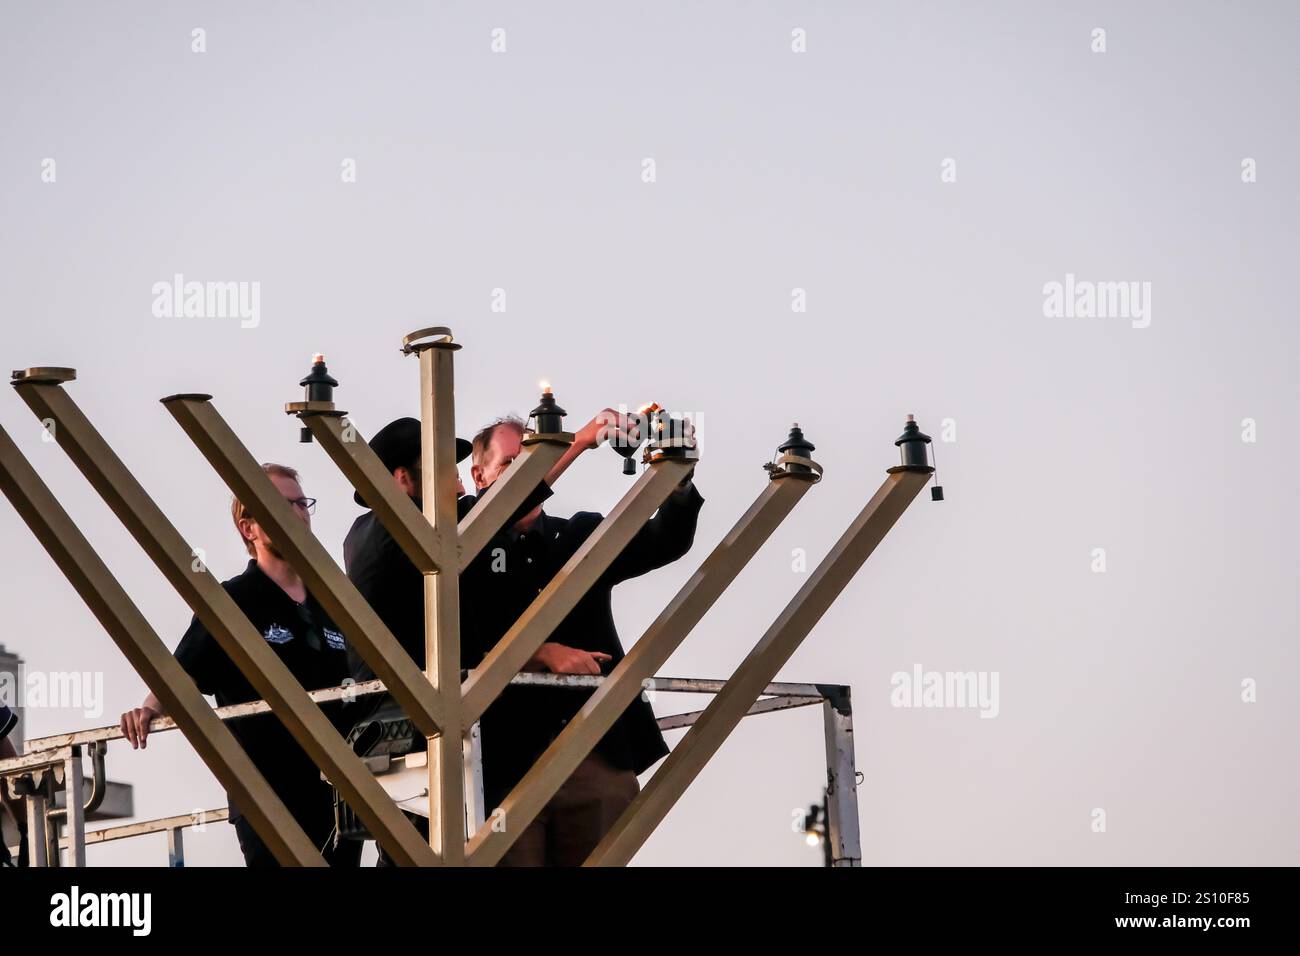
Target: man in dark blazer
{"points": [[375, 561], [498, 584], [495, 589]]}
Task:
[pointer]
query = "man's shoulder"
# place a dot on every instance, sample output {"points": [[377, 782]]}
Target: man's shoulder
{"points": [[579, 521], [373, 558], [362, 526], [256, 595], [247, 582], [366, 534]]}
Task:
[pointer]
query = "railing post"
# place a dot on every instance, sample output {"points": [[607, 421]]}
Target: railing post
{"points": [[842, 826], [38, 838], [176, 848], [74, 791], [475, 809]]}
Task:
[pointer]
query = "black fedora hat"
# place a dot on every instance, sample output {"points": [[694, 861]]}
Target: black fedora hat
{"points": [[397, 445]]}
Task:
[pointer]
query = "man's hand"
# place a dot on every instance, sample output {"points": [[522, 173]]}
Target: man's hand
{"points": [[604, 426], [135, 724], [559, 659], [607, 424]]}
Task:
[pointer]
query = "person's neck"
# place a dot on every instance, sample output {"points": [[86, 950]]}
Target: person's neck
{"points": [[528, 522], [283, 574]]}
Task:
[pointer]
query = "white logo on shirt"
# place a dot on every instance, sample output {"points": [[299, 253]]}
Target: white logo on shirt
{"points": [[275, 634], [335, 640]]}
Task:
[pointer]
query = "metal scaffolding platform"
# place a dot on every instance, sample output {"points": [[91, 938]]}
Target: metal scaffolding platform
{"points": [[55, 839]]}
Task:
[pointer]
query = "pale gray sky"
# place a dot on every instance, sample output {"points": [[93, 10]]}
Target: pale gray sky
{"points": [[775, 170]]}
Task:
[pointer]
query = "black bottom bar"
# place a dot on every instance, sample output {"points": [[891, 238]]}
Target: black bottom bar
{"points": [[854, 907]]}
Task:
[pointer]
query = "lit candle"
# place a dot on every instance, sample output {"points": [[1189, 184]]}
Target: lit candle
{"points": [[548, 416]]}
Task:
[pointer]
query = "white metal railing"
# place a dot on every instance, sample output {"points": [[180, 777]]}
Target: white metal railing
{"points": [[52, 763]]}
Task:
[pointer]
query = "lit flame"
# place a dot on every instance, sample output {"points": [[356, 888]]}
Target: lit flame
{"points": [[317, 359], [545, 387]]}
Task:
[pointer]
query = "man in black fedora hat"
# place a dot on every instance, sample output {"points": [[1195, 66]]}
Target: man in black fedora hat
{"points": [[395, 443], [375, 562]]}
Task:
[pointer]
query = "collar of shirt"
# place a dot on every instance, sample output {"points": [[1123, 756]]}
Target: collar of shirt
{"points": [[533, 533]]}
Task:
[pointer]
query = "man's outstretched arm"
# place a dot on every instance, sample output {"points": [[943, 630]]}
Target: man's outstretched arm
{"points": [[664, 538]]}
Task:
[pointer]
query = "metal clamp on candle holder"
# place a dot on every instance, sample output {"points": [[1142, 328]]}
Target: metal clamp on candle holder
{"points": [[794, 460], [666, 436], [912, 444], [319, 388], [439, 336], [44, 375]]}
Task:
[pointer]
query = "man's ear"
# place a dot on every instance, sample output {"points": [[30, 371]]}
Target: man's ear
{"points": [[476, 473], [246, 529]]}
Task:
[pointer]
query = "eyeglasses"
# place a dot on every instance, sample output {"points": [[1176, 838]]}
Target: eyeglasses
{"points": [[306, 504]]}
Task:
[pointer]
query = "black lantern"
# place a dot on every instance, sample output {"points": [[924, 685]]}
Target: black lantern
{"points": [[666, 436], [319, 385], [548, 417], [799, 447], [912, 445]]}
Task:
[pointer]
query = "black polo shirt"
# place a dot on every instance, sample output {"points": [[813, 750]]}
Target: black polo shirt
{"points": [[506, 578], [314, 650]]}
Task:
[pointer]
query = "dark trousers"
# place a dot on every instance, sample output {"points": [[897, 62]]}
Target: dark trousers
{"points": [[582, 811], [257, 855], [566, 831], [572, 823]]}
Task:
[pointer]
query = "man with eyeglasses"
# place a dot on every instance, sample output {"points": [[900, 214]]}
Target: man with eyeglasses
{"points": [[276, 601]]}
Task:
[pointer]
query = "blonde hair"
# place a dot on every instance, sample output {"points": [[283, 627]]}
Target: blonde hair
{"points": [[237, 510]]}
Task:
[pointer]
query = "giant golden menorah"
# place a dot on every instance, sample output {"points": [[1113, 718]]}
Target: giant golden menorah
{"points": [[440, 705]]}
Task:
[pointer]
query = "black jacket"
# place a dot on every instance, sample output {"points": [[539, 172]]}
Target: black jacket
{"points": [[385, 576], [506, 578], [496, 587]]}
